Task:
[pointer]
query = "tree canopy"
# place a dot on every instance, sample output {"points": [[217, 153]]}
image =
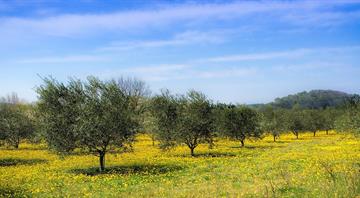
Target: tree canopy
{"points": [[241, 122], [186, 119], [92, 116], [16, 120]]}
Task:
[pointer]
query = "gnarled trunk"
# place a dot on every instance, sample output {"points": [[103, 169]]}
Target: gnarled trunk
{"points": [[274, 138], [102, 160], [192, 151], [15, 142], [192, 144], [242, 143], [314, 133], [211, 143]]}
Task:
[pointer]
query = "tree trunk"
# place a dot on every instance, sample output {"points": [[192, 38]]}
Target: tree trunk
{"points": [[211, 143], [274, 138], [297, 135], [242, 143], [314, 133], [15, 142], [327, 132], [16, 145], [102, 161], [192, 151], [153, 140]]}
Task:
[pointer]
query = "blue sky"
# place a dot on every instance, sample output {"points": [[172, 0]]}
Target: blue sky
{"points": [[233, 51]]}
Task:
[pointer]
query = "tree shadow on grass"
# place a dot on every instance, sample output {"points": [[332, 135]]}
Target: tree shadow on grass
{"points": [[282, 141], [258, 146], [6, 191], [208, 154], [139, 169], [278, 141], [16, 161], [22, 149]]}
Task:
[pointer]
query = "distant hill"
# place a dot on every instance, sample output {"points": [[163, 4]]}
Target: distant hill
{"points": [[315, 99]]}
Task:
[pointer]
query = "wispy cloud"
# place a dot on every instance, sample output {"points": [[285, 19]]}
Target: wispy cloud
{"points": [[310, 66], [185, 38], [65, 59], [155, 69], [179, 72], [287, 54], [195, 69], [258, 56], [80, 24], [227, 72], [161, 72], [295, 53]]}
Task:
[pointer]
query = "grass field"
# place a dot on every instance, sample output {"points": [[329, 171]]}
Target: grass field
{"points": [[322, 166]]}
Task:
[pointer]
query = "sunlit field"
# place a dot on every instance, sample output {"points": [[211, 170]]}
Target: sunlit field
{"points": [[321, 166]]}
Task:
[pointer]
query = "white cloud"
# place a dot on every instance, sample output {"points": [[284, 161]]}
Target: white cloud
{"points": [[228, 72], [161, 72], [65, 59], [81, 24], [155, 69], [279, 54], [295, 53], [179, 72], [259, 56], [185, 38], [195, 70], [310, 66]]}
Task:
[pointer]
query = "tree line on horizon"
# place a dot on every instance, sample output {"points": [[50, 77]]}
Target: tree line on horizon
{"points": [[100, 116]]}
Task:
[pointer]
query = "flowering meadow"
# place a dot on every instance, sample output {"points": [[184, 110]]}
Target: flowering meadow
{"points": [[321, 166]]}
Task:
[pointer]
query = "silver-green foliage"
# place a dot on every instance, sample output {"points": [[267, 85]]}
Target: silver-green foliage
{"points": [[15, 124], [241, 122], [95, 116], [185, 119]]}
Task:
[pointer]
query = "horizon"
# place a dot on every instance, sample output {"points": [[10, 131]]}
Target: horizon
{"points": [[246, 52], [23, 100]]}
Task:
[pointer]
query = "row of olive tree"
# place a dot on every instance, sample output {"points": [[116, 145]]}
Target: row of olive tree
{"points": [[297, 120], [192, 119], [98, 116]]}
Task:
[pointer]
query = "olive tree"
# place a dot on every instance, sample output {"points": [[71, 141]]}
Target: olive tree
{"points": [[240, 123], [59, 111], [330, 116], [349, 121], [186, 119], [96, 116], [195, 120], [150, 126], [296, 123], [274, 121], [163, 118], [219, 114], [15, 123], [138, 93], [314, 120]]}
